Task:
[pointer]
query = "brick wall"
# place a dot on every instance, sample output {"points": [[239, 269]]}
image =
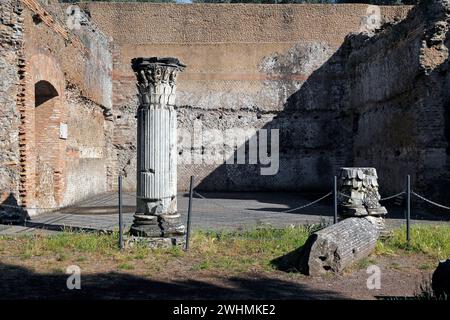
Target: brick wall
{"points": [[11, 100], [48, 148], [41, 169], [249, 66]]}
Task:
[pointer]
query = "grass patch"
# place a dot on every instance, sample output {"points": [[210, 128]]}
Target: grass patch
{"points": [[83, 242], [228, 251], [244, 250], [81, 259], [61, 243], [125, 266], [61, 257], [231, 251], [364, 263], [395, 265], [427, 266], [434, 241]]}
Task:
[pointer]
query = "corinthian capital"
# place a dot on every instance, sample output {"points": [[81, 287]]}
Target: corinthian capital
{"points": [[156, 80]]}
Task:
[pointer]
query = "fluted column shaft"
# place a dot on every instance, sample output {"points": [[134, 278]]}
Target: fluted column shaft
{"points": [[156, 204]]}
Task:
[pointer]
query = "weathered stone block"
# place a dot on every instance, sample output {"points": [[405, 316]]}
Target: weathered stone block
{"points": [[334, 248], [358, 192]]}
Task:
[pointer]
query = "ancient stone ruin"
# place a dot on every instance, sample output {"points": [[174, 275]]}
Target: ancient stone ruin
{"points": [[156, 203], [358, 193], [347, 85], [334, 248]]}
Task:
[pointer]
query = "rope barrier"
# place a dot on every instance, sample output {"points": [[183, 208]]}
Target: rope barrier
{"points": [[285, 211], [111, 197], [213, 202], [382, 199], [429, 201], [308, 204], [393, 196]]}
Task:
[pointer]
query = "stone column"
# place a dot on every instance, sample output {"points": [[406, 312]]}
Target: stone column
{"points": [[358, 193], [341, 244], [156, 206]]}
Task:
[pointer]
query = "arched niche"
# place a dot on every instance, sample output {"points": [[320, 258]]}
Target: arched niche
{"points": [[47, 130], [43, 92], [43, 149]]}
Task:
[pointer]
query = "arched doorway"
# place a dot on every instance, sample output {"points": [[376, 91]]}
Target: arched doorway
{"points": [[47, 122]]}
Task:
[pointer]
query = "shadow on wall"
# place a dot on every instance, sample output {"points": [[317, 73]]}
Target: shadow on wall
{"points": [[329, 122], [22, 283], [315, 131], [11, 212]]}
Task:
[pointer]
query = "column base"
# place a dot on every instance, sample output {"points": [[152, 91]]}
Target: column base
{"points": [[362, 211], [152, 226], [154, 242]]}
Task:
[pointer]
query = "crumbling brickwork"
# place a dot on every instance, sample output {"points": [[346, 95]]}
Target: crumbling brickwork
{"points": [[400, 100], [11, 99], [54, 79]]}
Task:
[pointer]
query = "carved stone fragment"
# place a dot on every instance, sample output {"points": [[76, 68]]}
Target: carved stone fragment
{"points": [[334, 248], [358, 193]]}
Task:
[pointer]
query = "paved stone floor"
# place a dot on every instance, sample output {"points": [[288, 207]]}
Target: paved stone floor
{"points": [[218, 211]]}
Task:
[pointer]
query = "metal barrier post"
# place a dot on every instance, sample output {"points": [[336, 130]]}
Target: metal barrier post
{"points": [[188, 232], [120, 214], [408, 208], [335, 218]]}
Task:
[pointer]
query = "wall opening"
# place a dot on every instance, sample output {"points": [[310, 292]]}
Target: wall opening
{"points": [[47, 122]]}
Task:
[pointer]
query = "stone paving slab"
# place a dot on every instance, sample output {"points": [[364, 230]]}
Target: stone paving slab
{"points": [[20, 230], [219, 211]]}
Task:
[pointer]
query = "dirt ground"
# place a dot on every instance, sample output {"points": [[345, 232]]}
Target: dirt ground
{"points": [[39, 278]]}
